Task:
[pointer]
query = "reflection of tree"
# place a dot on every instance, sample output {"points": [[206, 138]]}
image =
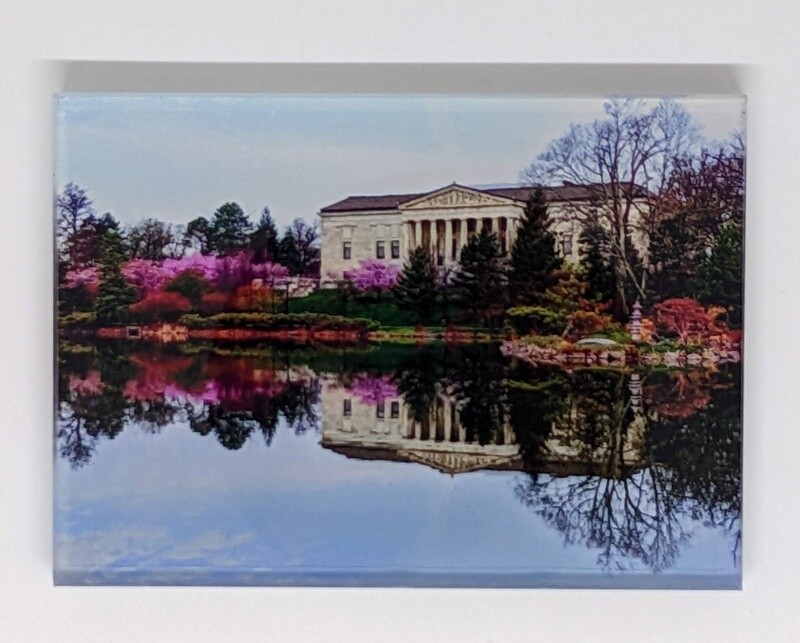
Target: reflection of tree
{"points": [[477, 378], [101, 390], [701, 452], [91, 402], [417, 378], [296, 402], [231, 428], [153, 415], [637, 507], [299, 403], [630, 518]]}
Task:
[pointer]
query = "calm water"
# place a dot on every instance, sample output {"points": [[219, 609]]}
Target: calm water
{"points": [[391, 465]]}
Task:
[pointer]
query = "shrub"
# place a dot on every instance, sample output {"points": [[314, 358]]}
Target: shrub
{"points": [[537, 319], [213, 302], [189, 284], [195, 321], [586, 322], [266, 321], [78, 320], [161, 306], [249, 298]]}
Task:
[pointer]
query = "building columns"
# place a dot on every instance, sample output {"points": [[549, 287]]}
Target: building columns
{"points": [[458, 230]]}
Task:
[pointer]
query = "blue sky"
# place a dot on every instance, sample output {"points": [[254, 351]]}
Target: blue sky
{"points": [[178, 157]]}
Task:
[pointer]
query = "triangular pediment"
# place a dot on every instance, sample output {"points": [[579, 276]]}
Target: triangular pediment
{"points": [[454, 196], [454, 462]]}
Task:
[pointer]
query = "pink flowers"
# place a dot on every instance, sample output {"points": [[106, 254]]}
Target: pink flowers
{"points": [[373, 276], [144, 275], [89, 278], [225, 273], [373, 390], [89, 385]]}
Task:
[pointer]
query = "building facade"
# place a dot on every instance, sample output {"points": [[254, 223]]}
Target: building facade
{"points": [[389, 227], [387, 429]]}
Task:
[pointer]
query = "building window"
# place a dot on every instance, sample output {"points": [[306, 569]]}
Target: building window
{"points": [[395, 249], [346, 250], [380, 411], [347, 408], [395, 410], [566, 245], [380, 249]]}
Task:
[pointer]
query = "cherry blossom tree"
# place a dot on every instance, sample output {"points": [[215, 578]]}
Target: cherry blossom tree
{"points": [[373, 277], [88, 278], [373, 390]]}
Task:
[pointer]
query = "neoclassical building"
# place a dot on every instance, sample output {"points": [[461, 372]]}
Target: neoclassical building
{"points": [[387, 430], [387, 227]]}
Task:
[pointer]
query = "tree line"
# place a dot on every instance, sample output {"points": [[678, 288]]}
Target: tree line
{"points": [[82, 235]]}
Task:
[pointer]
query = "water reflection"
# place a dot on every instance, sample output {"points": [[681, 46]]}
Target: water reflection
{"points": [[626, 464]]}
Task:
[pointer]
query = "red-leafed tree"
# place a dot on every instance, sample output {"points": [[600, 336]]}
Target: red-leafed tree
{"points": [[687, 319], [161, 306]]}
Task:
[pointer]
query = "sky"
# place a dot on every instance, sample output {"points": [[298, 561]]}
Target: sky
{"points": [[177, 157], [171, 503]]}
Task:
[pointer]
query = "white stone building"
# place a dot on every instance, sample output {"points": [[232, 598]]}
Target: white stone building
{"points": [[388, 227], [387, 430]]}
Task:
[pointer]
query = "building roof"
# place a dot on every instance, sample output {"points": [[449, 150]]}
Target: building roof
{"points": [[566, 192]]}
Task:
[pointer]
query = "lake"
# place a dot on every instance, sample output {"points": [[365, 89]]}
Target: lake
{"points": [[389, 464]]}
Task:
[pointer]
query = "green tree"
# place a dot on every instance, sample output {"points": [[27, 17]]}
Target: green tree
{"points": [[299, 248], [289, 254], [199, 234], [114, 294], [190, 285], [264, 240], [719, 276], [674, 251], [73, 207], [83, 247], [595, 263], [150, 239], [230, 229], [481, 282], [416, 287], [533, 257]]}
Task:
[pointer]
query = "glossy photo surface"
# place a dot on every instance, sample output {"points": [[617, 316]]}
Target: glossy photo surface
{"points": [[398, 341]]}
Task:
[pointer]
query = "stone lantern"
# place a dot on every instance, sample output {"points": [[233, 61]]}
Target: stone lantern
{"points": [[635, 323]]}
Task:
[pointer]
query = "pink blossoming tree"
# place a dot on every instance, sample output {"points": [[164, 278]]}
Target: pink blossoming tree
{"points": [[373, 390], [373, 277]]}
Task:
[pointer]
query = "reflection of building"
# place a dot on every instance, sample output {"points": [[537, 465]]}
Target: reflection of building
{"points": [[388, 431], [388, 227]]}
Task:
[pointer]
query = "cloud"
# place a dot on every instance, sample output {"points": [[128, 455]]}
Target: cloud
{"points": [[144, 547], [204, 544], [97, 549]]}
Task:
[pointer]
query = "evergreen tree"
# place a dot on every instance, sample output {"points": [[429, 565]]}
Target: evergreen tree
{"points": [[199, 234], [595, 263], [481, 282], [675, 247], [230, 229], [114, 294], [416, 286], [264, 240], [289, 254], [719, 276], [533, 257]]}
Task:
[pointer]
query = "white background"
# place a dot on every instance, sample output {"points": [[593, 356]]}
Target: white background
{"points": [[757, 41]]}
